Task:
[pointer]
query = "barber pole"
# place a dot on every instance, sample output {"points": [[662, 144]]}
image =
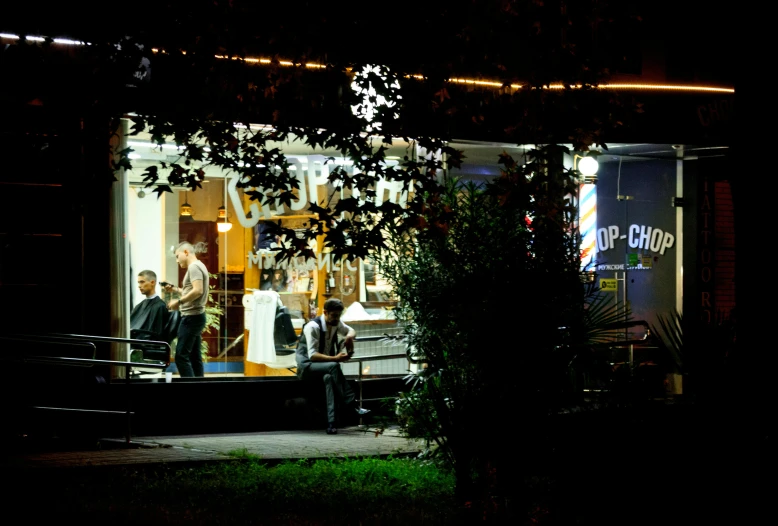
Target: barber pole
{"points": [[587, 221]]}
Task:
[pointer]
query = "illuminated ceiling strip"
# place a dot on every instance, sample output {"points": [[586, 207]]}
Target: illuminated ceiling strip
{"points": [[65, 41], [480, 83], [615, 86], [666, 87], [456, 80], [494, 84]]}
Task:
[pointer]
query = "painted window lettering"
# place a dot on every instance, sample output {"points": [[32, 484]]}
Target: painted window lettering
{"points": [[322, 261], [311, 171], [639, 236]]}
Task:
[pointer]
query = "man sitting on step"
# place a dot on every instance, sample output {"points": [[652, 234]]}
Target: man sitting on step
{"points": [[319, 356]]}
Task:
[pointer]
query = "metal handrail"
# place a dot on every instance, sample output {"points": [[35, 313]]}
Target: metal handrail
{"points": [[111, 339], [373, 358], [71, 344], [390, 338], [377, 357], [88, 340], [58, 337], [66, 361], [376, 338]]}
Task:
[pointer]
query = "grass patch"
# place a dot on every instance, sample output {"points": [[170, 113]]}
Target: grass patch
{"points": [[243, 454], [244, 491]]}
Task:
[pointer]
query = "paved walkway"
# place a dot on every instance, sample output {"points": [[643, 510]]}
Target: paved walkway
{"points": [[275, 446]]}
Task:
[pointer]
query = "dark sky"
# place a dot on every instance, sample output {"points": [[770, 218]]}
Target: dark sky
{"points": [[698, 38]]}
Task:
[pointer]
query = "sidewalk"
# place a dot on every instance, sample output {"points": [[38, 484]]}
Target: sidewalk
{"points": [[273, 446]]}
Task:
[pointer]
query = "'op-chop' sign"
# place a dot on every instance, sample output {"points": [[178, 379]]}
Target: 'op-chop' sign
{"points": [[639, 236]]}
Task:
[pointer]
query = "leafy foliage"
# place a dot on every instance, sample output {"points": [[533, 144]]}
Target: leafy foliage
{"points": [[188, 75], [670, 334], [213, 313], [494, 307], [699, 351]]}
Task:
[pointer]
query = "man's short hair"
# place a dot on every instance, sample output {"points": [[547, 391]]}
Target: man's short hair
{"points": [[149, 275], [196, 249], [334, 305], [185, 245]]}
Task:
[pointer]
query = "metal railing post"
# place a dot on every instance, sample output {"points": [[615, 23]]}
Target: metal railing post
{"points": [[359, 382], [360, 375], [127, 370]]}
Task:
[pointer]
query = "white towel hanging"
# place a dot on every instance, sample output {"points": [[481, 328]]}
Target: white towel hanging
{"points": [[261, 348]]}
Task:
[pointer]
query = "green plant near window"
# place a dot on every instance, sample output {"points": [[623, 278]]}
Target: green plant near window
{"points": [[492, 303], [213, 312]]}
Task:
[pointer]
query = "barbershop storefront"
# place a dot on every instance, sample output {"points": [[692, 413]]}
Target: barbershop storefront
{"points": [[656, 218], [656, 223]]}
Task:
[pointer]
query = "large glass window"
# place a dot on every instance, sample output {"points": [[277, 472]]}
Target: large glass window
{"points": [[229, 232], [633, 232]]}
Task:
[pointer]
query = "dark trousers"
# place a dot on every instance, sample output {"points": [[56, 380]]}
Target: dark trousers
{"points": [[335, 385], [189, 360]]}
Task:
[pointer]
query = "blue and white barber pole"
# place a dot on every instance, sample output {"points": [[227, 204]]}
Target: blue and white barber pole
{"points": [[587, 220]]}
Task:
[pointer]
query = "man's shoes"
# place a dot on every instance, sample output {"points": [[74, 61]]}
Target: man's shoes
{"points": [[361, 411], [332, 430]]}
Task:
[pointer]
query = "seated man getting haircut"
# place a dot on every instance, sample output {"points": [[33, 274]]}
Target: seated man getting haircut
{"points": [[148, 318]]}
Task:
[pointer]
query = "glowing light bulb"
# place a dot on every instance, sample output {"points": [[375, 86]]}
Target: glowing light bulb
{"points": [[588, 166]]}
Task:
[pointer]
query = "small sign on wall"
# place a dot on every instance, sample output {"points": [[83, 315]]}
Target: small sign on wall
{"points": [[609, 285]]}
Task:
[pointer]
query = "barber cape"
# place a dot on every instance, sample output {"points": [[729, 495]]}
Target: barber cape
{"points": [[149, 315]]}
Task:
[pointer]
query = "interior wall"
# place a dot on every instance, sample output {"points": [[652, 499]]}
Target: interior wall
{"points": [[170, 214], [146, 230], [205, 203]]}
